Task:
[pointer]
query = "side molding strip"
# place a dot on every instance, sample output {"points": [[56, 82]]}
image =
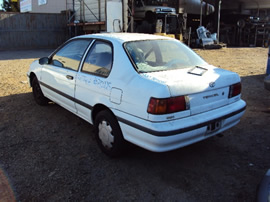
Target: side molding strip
{"points": [[142, 128], [67, 96], [178, 131]]}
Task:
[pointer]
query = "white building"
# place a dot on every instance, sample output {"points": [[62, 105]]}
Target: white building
{"points": [[92, 15], [45, 6]]}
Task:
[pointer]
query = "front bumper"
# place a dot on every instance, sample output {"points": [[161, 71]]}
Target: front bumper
{"points": [[170, 135]]}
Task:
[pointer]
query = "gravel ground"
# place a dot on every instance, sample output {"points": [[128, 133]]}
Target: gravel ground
{"points": [[49, 154]]}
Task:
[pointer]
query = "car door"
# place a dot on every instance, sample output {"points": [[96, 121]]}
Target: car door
{"points": [[58, 77], [92, 84]]}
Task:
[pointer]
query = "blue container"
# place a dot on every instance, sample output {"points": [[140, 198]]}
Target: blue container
{"points": [[268, 63]]}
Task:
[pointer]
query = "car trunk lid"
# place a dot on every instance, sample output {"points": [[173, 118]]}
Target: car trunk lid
{"points": [[206, 87]]}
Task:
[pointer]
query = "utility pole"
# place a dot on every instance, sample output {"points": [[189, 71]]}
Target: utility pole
{"points": [[218, 25], [201, 13], [217, 17]]}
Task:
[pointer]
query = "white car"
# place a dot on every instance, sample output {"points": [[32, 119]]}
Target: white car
{"points": [[149, 90]]}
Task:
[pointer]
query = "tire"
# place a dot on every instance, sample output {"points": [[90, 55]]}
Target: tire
{"points": [[150, 17], [37, 93], [108, 134]]}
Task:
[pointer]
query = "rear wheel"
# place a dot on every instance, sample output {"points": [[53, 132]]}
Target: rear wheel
{"points": [[108, 134], [37, 93]]}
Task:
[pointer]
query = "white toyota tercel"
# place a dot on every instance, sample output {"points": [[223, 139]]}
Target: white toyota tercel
{"points": [[149, 90]]}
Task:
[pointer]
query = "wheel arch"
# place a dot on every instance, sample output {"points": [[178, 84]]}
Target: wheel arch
{"points": [[150, 16], [148, 13], [98, 108], [32, 76]]}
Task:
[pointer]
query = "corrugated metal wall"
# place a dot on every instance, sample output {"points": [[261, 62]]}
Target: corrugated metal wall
{"points": [[90, 10], [32, 30]]}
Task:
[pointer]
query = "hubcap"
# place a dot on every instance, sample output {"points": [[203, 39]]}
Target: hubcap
{"points": [[105, 134]]}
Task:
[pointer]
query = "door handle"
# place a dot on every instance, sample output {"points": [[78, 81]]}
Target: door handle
{"points": [[69, 77]]}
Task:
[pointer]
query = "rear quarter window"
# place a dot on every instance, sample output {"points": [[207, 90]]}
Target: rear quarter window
{"points": [[99, 59]]}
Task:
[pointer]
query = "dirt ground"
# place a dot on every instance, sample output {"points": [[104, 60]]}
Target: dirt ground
{"points": [[49, 154]]}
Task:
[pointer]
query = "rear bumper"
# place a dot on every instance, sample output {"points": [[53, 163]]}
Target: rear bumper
{"points": [[170, 135]]}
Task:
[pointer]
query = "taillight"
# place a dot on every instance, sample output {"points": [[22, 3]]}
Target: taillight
{"points": [[167, 105], [235, 90]]}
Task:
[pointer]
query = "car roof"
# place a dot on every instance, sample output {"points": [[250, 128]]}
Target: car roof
{"points": [[124, 37]]}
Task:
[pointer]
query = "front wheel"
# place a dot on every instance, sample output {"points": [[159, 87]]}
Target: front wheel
{"points": [[108, 134], [37, 93]]}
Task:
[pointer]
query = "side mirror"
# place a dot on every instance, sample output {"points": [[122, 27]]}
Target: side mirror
{"points": [[43, 61]]}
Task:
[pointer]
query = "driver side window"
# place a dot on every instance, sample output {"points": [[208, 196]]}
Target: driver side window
{"points": [[70, 55]]}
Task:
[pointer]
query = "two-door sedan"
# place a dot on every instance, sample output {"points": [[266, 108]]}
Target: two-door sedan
{"points": [[152, 91]]}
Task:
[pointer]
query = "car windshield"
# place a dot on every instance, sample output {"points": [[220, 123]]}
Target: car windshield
{"points": [[161, 55]]}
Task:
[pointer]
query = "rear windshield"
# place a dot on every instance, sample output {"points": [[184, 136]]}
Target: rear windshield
{"points": [[161, 55]]}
